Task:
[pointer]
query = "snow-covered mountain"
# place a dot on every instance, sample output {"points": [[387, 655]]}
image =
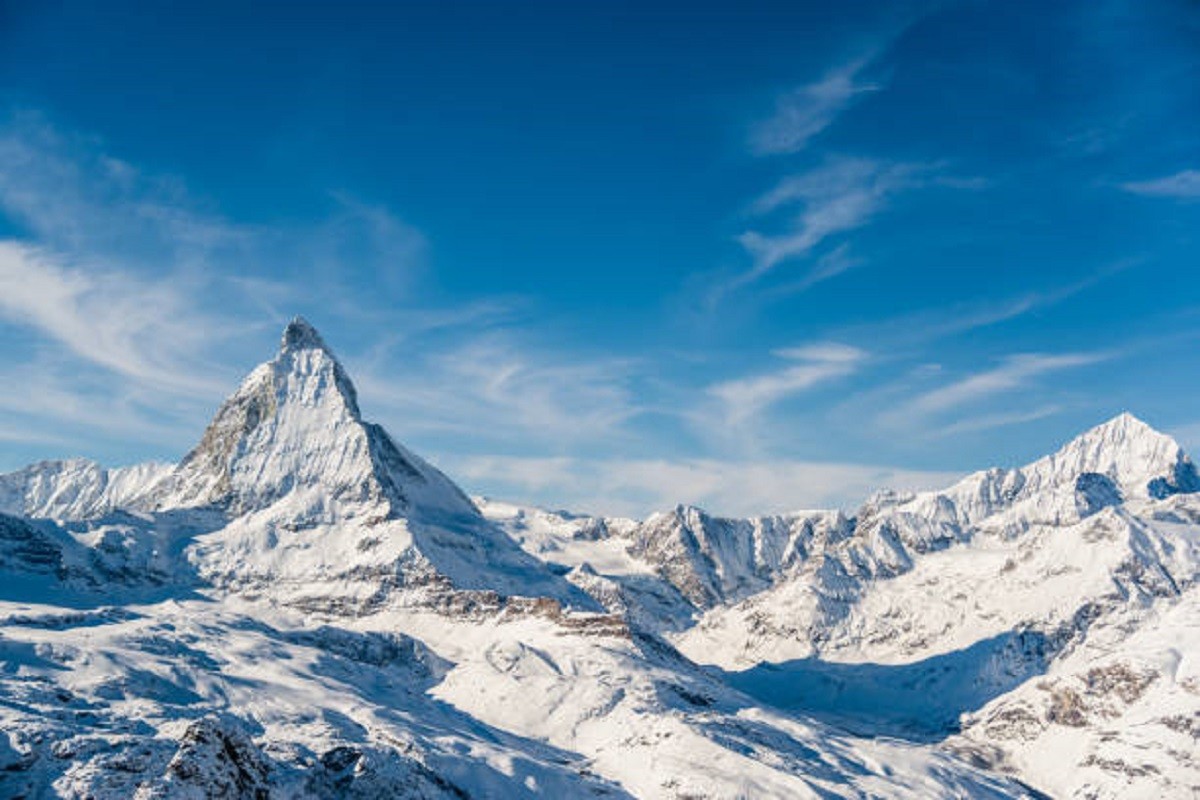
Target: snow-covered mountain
{"points": [[290, 488], [948, 616], [303, 608]]}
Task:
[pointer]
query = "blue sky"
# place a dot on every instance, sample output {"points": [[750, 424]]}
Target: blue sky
{"points": [[609, 256]]}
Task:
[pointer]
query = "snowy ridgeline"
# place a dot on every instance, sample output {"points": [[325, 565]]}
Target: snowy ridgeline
{"points": [[303, 608]]}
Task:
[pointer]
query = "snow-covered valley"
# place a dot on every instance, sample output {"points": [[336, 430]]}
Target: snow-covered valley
{"points": [[303, 608]]}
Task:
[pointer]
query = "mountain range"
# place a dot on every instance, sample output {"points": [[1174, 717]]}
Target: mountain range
{"points": [[303, 608]]}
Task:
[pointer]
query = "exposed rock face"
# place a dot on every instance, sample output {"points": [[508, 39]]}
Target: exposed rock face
{"points": [[215, 760], [712, 560], [25, 549]]}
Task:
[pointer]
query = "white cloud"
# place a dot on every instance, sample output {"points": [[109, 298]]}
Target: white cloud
{"points": [[143, 330], [136, 306], [986, 422], [839, 196], [829, 265], [914, 330], [19, 434], [60, 401], [74, 198], [961, 406], [1182, 185], [1016, 372], [494, 389], [365, 241], [802, 113], [745, 398], [637, 487]]}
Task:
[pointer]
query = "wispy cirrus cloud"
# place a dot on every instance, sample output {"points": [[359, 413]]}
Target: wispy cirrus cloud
{"points": [[808, 366], [141, 309], [73, 197], [127, 331], [986, 422], [837, 197], [803, 112], [831, 264], [1015, 372], [143, 330], [58, 400], [1183, 185], [493, 388], [962, 405], [909, 333]]}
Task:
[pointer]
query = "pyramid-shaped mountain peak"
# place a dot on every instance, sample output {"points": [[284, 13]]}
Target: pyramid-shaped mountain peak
{"points": [[294, 428], [1131, 453]]}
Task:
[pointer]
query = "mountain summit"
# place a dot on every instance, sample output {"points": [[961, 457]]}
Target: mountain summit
{"points": [[300, 334], [1142, 460]]}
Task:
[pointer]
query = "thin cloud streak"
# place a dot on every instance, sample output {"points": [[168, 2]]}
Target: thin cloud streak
{"points": [[73, 406], [911, 331], [829, 265], [969, 404], [490, 388], [804, 112], [1016, 371], [74, 198], [839, 196], [744, 398], [986, 422], [1183, 185]]}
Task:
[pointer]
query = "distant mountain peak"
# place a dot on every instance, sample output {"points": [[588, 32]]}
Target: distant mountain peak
{"points": [[1133, 454]]}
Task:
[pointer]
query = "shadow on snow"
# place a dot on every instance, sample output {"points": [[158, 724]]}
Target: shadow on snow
{"points": [[921, 701]]}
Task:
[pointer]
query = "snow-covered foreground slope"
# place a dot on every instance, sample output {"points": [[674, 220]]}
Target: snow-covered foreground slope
{"points": [[304, 608], [193, 699], [106, 702]]}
